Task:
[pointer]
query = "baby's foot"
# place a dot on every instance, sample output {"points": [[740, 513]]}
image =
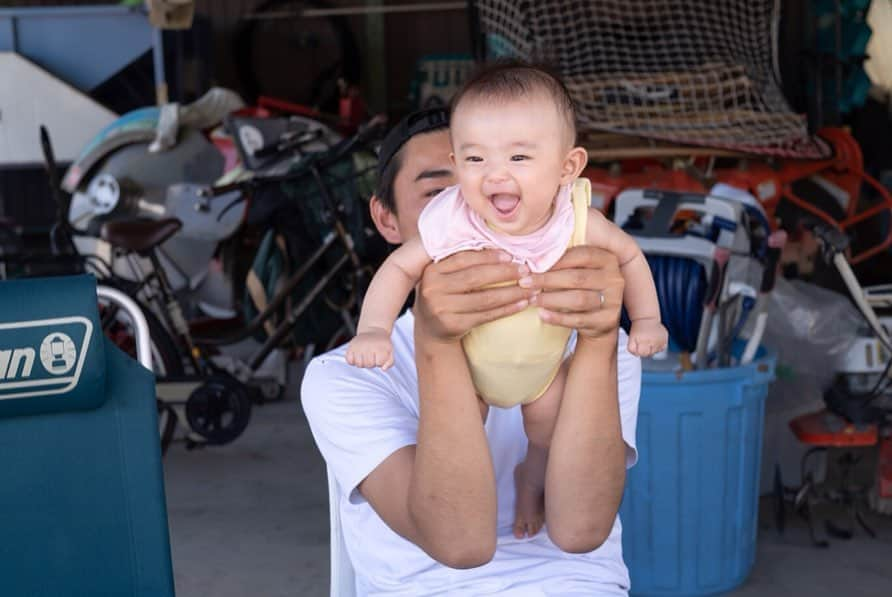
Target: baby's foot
{"points": [[529, 510], [371, 349], [647, 337]]}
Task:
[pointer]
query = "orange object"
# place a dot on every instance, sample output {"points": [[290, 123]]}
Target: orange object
{"points": [[607, 184], [770, 181], [825, 429], [844, 169]]}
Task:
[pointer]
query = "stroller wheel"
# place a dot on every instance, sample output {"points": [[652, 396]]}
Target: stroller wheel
{"points": [[219, 410]]}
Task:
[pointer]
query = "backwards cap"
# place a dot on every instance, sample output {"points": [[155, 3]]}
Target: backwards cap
{"points": [[416, 123]]}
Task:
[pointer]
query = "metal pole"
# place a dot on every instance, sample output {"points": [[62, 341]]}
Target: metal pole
{"points": [[376, 66], [140, 326], [158, 59], [361, 10]]}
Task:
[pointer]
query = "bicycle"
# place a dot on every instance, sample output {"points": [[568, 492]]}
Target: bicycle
{"points": [[116, 307], [215, 399]]}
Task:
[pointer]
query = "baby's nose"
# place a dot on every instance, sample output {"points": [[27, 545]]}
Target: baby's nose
{"points": [[497, 176]]}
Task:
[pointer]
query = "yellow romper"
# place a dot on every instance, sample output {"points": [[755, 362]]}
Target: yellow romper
{"points": [[513, 360]]}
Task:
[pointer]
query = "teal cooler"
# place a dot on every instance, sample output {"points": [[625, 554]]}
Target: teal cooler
{"points": [[690, 506]]}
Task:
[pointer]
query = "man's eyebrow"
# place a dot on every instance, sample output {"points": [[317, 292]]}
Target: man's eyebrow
{"points": [[442, 173]]}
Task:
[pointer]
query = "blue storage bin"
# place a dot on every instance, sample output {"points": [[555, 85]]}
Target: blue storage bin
{"points": [[690, 506]]}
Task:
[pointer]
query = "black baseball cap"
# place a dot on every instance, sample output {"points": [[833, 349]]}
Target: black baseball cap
{"points": [[422, 121]]}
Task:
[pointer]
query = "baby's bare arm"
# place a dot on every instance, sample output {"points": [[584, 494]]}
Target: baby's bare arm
{"points": [[640, 297], [391, 285]]}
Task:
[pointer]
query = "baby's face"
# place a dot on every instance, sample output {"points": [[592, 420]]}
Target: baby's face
{"points": [[510, 160]]}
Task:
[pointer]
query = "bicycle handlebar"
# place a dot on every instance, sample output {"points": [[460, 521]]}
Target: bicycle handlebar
{"points": [[374, 129]]}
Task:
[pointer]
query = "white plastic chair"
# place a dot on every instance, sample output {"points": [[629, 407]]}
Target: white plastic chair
{"points": [[343, 578]]}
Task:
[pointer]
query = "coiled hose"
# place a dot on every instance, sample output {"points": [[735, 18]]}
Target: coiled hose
{"points": [[681, 289]]}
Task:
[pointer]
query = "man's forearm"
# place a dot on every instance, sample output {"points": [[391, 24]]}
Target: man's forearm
{"points": [[586, 463], [452, 496]]}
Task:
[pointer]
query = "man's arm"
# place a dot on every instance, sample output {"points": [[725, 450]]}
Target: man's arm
{"points": [[440, 494], [586, 463]]}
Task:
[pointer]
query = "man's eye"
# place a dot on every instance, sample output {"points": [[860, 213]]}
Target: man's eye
{"points": [[433, 192], [519, 158], [473, 158]]}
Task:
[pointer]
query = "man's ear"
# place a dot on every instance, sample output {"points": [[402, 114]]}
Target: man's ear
{"points": [[385, 221], [574, 163]]}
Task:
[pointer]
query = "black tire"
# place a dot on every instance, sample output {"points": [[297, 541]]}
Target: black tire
{"points": [[219, 410], [325, 46]]}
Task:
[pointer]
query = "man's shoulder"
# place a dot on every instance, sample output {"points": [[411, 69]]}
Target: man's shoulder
{"points": [[328, 378], [329, 374]]}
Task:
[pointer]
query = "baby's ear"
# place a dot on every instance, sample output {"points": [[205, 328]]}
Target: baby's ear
{"points": [[574, 163], [452, 158]]}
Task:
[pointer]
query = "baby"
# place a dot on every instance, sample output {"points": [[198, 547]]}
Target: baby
{"points": [[513, 134]]}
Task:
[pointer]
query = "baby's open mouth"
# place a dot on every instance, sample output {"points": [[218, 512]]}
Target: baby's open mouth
{"points": [[505, 204]]}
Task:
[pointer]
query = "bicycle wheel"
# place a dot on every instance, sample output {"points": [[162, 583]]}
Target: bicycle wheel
{"points": [[315, 51], [166, 361]]}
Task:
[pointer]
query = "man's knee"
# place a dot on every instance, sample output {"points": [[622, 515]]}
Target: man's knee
{"points": [[470, 554]]}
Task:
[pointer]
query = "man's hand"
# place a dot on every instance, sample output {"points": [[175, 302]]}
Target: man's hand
{"points": [[571, 292], [454, 295]]}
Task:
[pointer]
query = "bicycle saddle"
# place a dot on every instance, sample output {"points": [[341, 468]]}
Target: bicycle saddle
{"points": [[140, 236]]}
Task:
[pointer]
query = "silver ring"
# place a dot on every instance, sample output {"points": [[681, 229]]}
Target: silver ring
{"points": [[601, 294]]}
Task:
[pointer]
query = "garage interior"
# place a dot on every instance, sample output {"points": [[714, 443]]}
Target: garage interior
{"points": [[212, 162]]}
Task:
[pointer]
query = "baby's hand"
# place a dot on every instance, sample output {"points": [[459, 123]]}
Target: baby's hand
{"points": [[647, 337], [371, 349]]}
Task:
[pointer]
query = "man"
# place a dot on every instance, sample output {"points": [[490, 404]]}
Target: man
{"points": [[428, 485]]}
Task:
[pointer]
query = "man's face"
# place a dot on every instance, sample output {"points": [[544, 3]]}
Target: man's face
{"points": [[426, 170]]}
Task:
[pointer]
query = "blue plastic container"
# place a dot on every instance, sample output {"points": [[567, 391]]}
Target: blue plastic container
{"points": [[690, 506]]}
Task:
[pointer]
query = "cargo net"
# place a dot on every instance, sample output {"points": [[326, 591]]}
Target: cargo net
{"points": [[699, 72]]}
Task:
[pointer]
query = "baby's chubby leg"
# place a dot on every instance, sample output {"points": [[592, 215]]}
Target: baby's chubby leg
{"points": [[539, 418]]}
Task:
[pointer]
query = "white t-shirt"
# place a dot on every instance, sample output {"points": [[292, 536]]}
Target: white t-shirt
{"points": [[359, 417]]}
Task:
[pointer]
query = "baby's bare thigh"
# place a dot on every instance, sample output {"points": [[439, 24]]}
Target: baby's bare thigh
{"points": [[484, 408], [540, 415]]}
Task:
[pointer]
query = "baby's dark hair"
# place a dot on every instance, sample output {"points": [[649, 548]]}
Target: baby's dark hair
{"points": [[512, 79]]}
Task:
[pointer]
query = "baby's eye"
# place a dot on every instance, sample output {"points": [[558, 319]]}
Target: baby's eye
{"points": [[473, 158], [433, 193], [519, 158]]}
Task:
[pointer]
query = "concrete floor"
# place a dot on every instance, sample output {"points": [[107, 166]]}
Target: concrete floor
{"points": [[251, 518]]}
